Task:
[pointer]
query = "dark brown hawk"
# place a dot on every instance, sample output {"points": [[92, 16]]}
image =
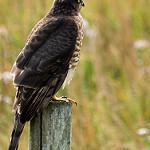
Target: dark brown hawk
{"points": [[46, 62]]}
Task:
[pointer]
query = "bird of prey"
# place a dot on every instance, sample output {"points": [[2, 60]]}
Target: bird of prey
{"points": [[47, 62]]}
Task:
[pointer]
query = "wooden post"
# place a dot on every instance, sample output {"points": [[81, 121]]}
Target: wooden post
{"points": [[51, 130]]}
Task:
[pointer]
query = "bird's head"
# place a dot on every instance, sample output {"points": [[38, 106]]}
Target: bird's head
{"points": [[76, 4]]}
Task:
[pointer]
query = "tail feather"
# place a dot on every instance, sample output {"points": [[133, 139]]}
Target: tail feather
{"points": [[16, 133]]}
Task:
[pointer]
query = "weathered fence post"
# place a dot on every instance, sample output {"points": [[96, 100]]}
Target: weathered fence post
{"points": [[51, 130]]}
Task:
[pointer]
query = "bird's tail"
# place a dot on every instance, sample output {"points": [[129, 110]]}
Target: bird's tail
{"points": [[16, 133]]}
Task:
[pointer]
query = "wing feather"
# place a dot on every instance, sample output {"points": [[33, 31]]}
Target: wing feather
{"points": [[43, 65], [37, 37], [48, 55]]}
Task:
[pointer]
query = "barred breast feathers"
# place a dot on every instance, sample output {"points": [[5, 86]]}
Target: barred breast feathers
{"points": [[76, 55]]}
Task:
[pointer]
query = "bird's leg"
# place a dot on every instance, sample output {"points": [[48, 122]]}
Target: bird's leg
{"points": [[63, 99]]}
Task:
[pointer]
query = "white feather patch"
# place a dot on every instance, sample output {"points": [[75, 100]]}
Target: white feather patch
{"points": [[15, 70], [69, 77]]}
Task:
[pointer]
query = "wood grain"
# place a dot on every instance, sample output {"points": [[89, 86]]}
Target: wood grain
{"points": [[51, 130]]}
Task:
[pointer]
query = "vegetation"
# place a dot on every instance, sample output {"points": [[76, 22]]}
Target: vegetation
{"points": [[112, 82]]}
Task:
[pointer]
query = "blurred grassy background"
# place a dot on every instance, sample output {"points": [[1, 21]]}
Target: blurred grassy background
{"points": [[112, 82]]}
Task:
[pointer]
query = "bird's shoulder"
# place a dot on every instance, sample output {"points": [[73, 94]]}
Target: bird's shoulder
{"points": [[50, 22], [47, 26], [40, 34], [50, 44]]}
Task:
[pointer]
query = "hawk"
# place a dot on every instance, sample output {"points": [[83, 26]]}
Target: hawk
{"points": [[47, 62]]}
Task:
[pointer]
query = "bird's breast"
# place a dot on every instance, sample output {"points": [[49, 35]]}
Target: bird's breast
{"points": [[76, 54]]}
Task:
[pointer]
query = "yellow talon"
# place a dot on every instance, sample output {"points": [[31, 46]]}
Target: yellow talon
{"points": [[64, 99]]}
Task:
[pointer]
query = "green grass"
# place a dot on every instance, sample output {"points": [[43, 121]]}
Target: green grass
{"points": [[112, 82]]}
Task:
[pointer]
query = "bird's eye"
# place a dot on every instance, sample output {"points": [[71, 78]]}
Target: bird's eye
{"points": [[78, 1]]}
